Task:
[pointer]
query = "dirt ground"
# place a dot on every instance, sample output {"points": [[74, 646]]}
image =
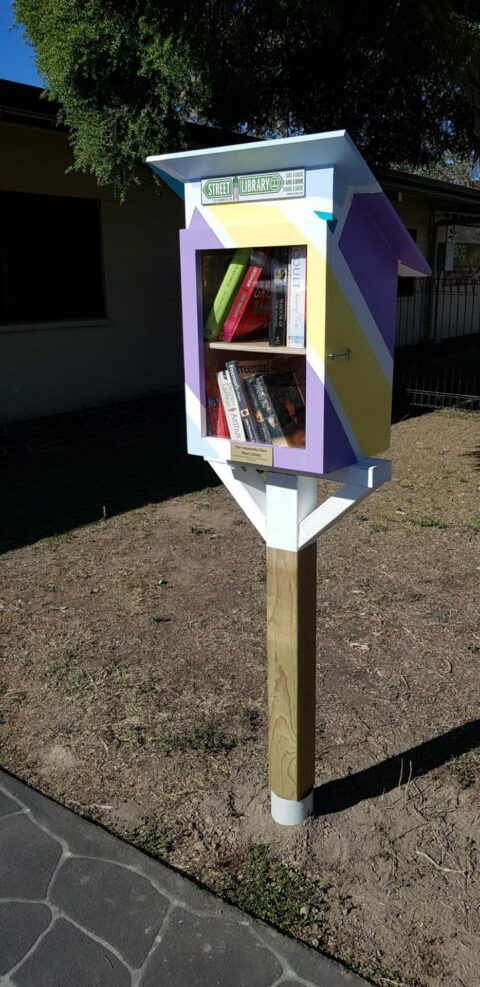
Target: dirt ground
{"points": [[132, 670]]}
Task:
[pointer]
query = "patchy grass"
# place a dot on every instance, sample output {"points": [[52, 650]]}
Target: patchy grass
{"points": [[263, 886], [425, 522], [156, 840], [204, 736]]}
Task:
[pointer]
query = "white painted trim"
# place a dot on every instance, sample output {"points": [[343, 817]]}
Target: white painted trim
{"points": [[247, 486], [282, 506], [288, 812], [290, 498], [371, 473], [320, 520]]}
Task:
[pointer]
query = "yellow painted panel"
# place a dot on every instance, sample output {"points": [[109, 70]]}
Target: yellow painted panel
{"points": [[234, 215], [360, 384]]}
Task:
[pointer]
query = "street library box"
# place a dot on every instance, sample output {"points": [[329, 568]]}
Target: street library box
{"points": [[289, 267]]}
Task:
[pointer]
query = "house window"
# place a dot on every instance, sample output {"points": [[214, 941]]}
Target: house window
{"points": [[50, 259]]}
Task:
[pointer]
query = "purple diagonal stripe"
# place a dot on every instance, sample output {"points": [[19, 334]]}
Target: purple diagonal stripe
{"points": [[338, 451], [192, 240], [373, 263]]}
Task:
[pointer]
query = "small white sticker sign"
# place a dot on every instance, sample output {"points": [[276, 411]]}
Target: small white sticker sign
{"points": [[250, 188]]}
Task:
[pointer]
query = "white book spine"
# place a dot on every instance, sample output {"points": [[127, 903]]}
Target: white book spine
{"points": [[296, 295], [230, 405]]}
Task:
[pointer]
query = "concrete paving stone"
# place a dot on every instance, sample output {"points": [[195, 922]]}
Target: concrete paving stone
{"points": [[210, 952], [7, 805], [20, 926], [28, 858], [112, 902], [307, 964], [85, 839], [67, 957]]}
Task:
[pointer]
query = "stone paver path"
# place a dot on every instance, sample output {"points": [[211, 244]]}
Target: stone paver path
{"points": [[79, 908]]}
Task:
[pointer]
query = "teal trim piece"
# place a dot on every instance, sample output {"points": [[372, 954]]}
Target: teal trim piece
{"points": [[172, 183], [329, 217]]}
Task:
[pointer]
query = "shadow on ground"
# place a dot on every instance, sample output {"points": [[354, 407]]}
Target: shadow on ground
{"points": [[68, 482], [343, 793]]}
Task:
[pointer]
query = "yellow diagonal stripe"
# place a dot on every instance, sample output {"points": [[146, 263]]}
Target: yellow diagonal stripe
{"points": [[359, 383]]}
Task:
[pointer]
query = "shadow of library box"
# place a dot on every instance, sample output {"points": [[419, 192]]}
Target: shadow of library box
{"points": [[289, 266]]}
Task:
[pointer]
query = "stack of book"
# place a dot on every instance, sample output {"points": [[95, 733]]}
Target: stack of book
{"points": [[250, 401], [263, 292]]}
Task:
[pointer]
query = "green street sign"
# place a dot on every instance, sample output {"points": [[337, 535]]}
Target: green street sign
{"points": [[218, 189], [248, 188]]}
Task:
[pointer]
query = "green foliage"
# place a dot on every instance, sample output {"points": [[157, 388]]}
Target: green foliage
{"points": [[267, 889], [150, 837], [403, 78]]}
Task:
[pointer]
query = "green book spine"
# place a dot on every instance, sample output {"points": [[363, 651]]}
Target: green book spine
{"points": [[224, 297]]}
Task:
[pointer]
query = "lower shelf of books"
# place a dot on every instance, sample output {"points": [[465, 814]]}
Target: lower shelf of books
{"points": [[257, 398]]}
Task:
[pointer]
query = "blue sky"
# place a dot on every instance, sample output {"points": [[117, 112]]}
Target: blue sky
{"points": [[16, 58]]}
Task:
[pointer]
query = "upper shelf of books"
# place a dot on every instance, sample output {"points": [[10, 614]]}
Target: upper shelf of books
{"points": [[255, 298]]}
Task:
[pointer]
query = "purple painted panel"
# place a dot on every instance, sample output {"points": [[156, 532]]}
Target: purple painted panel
{"points": [[197, 222], [374, 265], [338, 451], [190, 241]]}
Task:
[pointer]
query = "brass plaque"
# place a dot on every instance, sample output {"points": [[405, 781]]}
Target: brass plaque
{"points": [[241, 452]]}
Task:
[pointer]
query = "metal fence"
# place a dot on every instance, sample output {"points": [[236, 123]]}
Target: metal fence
{"points": [[438, 343]]}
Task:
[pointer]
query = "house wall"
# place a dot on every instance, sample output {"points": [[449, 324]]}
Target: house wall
{"points": [[413, 313], [137, 348]]}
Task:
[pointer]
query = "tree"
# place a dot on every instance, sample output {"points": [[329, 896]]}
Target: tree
{"points": [[402, 77]]}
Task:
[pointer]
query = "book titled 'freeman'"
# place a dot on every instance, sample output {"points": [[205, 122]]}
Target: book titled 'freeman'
{"points": [[239, 370]]}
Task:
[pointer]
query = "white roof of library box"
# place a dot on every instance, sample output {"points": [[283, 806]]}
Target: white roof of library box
{"points": [[334, 149], [331, 149]]}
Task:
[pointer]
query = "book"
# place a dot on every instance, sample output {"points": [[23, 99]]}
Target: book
{"points": [[258, 261], [239, 370], [216, 419], [283, 408], [256, 316], [278, 297], [261, 425], [230, 406], [296, 296], [226, 292]]}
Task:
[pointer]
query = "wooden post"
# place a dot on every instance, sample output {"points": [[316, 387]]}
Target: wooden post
{"points": [[291, 649]]}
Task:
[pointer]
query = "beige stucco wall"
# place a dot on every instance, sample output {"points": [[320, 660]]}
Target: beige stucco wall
{"points": [[137, 349], [415, 214]]}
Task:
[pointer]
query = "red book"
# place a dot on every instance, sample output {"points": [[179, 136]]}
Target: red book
{"points": [[257, 313], [216, 419], [258, 261]]}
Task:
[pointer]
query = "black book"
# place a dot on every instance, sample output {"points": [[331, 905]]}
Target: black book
{"points": [[278, 297], [261, 425], [283, 408]]}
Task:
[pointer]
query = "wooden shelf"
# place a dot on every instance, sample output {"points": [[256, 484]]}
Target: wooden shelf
{"points": [[257, 346]]}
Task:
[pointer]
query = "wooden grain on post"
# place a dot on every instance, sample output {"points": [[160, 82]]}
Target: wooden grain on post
{"points": [[291, 611]]}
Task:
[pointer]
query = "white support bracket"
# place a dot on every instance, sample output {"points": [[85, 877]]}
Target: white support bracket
{"points": [[283, 506]]}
